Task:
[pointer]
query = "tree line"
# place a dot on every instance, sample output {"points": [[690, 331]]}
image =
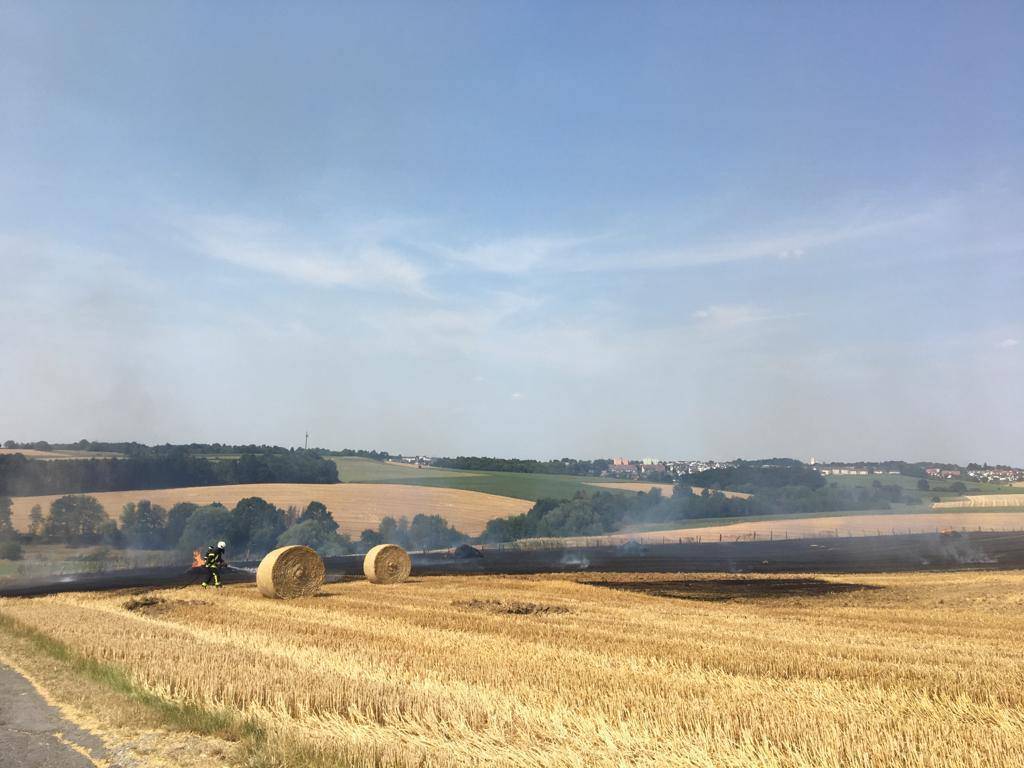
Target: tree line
{"points": [[603, 512], [21, 476], [755, 476], [564, 466], [132, 448], [348, 452], [252, 528]]}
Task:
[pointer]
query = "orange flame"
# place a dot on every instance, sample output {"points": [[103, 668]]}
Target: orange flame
{"points": [[197, 559]]}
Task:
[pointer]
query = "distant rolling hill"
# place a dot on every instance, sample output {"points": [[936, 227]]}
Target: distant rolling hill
{"points": [[355, 506]]}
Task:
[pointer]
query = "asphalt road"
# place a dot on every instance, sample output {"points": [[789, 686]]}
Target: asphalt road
{"points": [[33, 734]]}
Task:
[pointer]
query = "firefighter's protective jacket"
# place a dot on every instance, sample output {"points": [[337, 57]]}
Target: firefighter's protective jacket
{"points": [[214, 558]]}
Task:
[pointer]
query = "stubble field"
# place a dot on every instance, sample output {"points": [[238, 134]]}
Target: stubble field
{"points": [[667, 489], [31, 453], [987, 500], [810, 526], [652, 670]]}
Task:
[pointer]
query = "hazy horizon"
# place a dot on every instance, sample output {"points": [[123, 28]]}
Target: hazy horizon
{"points": [[540, 457], [673, 230]]}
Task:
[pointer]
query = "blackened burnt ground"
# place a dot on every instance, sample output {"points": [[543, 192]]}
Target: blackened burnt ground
{"points": [[864, 554], [735, 588]]}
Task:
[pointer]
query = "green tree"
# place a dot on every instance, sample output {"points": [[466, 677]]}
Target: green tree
{"points": [[110, 534], [386, 529], [318, 512], [433, 532], [318, 535], [10, 549], [35, 520], [291, 515], [369, 539], [393, 531], [256, 524], [922, 485], [205, 527], [143, 524], [75, 520], [5, 514], [177, 518]]}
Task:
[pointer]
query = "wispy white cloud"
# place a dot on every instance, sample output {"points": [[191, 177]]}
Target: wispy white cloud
{"points": [[617, 250], [270, 249], [401, 254], [720, 318], [516, 255], [802, 240], [1009, 343]]}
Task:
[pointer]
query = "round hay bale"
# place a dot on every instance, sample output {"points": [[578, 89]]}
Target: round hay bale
{"points": [[294, 571], [387, 564]]}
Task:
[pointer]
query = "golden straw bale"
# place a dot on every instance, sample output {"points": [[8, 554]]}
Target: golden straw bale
{"points": [[294, 571], [387, 564]]}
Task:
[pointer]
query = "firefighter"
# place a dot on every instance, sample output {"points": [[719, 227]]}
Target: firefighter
{"points": [[213, 562]]}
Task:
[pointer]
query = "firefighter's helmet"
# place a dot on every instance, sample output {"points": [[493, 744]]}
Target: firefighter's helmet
{"points": [[221, 545]]}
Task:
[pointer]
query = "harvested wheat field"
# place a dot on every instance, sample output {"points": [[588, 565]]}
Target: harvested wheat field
{"points": [[355, 506], [639, 670], [33, 453], [839, 525], [665, 488], [983, 500]]}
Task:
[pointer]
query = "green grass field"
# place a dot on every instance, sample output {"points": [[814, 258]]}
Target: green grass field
{"points": [[522, 485], [353, 469], [940, 488], [518, 485]]}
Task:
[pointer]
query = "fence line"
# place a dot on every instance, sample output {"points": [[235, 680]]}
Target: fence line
{"points": [[577, 542]]}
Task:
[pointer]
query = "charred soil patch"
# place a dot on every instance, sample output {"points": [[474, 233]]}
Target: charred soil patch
{"points": [[150, 605], [513, 607], [717, 590]]}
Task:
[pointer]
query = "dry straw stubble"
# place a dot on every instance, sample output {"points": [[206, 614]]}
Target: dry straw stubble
{"points": [[294, 571], [917, 670]]}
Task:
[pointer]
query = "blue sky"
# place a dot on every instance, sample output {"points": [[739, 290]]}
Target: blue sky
{"points": [[532, 229]]}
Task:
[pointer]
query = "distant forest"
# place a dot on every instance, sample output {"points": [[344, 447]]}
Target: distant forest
{"points": [[161, 467], [134, 449], [754, 476], [781, 489], [553, 467]]}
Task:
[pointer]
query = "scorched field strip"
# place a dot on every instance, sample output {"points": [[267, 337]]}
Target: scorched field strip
{"points": [[894, 670]]}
